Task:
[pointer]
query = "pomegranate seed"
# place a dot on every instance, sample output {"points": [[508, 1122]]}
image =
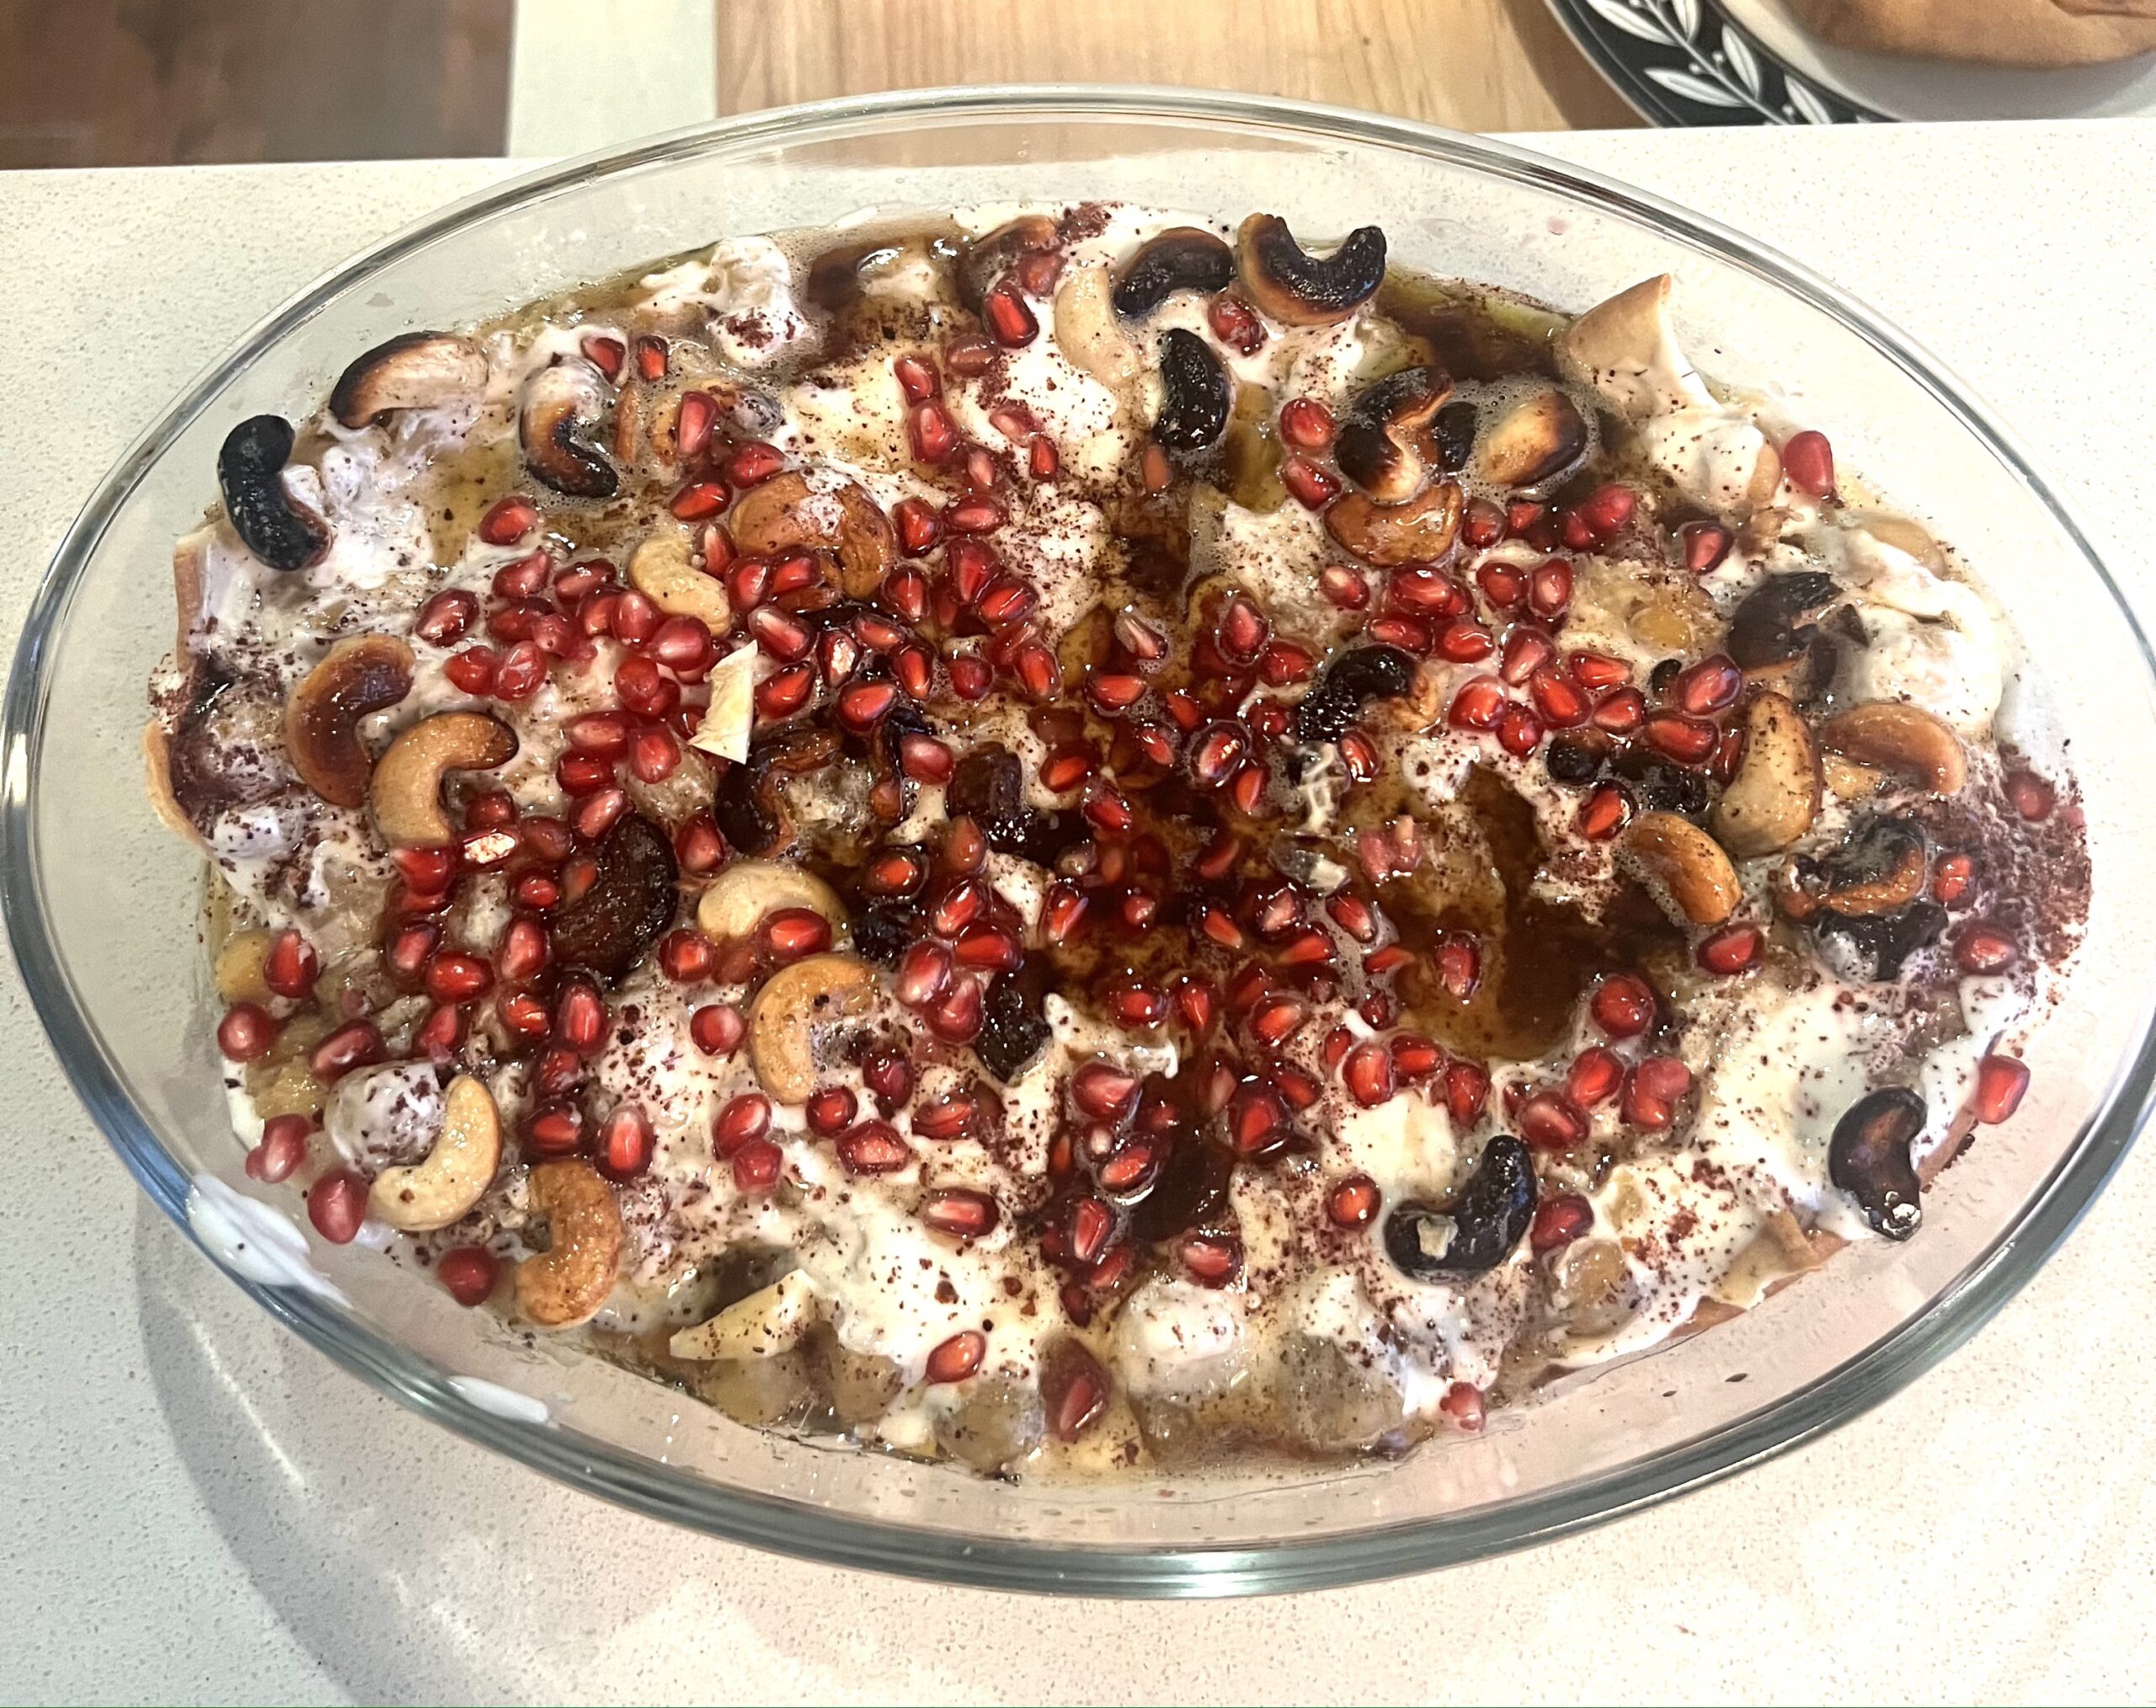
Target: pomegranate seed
{"points": [[1808, 460], [1621, 713], [1242, 632], [522, 1013], [1137, 1006], [1520, 730], [873, 1147], [932, 433], [1549, 1121], [1091, 1224], [472, 670], [626, 1142], [523, 577], [522, 668], [794, 932], [1550, 589], [651, 357], [283, 1148], [1367, 1072], [1104, 1092], [917, 378], [1467, 1089], [753, 463], [1707, 687], [1686, 740], [607, 354], [988, 947], [1276, 1019], [1504, 584], [1702, 546], [717, 1029], [1306, 423], [1527, 650], [1558, 1221], [508, 521], [595, 815], [468, 1273], [975, 517], [453, 978], [1311, 487], [955, 1360], [1732, 949], [579, 1017], [1217, 753], [291, 966], [337, 1204], [2029, 795], [1009, 321], [1234, 325], [636, 618], [1984, 949], [2001, 1081], [445, 616], [1604, 811], [1463, 1404], [1211, 1259], [1460, 966], [408, 950], [756, 1167], [830, 1110], [745, 1118], [697, 500], [1354, 1202], [1622, 1006], [1652, 1091], [956, 1018], [962, 1214], [1112, 692], [1343, 587], [1353, 915], [1463, 642], [1478, 704], [1562, 703], [1952, 880], [356, 1045], [1409, 633], [1594, 1077]]}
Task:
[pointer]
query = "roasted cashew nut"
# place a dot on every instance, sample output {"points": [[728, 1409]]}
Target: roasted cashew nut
{"points": [[359, 676], [561, 404], [659, 569], [1534, 442], [1683, 867], [784, 514], [1297, 288], [1419, 531], [566, 1283], [736, 901], [774, 1319], [1904, 740], [1086, 331], [1775, 795], [414, 371], [794, 1003], [454, 1175], [406, 790]]}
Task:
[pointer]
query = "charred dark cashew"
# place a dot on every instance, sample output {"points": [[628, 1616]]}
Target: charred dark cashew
{"points": [[1479, 1232], [1350, 682], [364, 674], [988, 257], [1869, 1158], [561, 404], [1385, 446], [1183, 258], [414, 370], [1772, 625], [1194, 410], [1298, 289], [750, 812], [282, 533], [606, 929]]}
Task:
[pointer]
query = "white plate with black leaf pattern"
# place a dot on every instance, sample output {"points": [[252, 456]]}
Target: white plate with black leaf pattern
{"points": [[1688, 62]]}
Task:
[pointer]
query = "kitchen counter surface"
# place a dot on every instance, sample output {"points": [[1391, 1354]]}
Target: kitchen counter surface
{"points": [[200, 1507]]}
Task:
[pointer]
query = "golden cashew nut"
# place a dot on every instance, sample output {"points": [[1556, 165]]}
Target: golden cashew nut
{"points": [[442, 1187]]}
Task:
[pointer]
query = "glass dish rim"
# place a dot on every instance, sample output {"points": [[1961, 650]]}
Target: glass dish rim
{"points": [[631, 1480]]}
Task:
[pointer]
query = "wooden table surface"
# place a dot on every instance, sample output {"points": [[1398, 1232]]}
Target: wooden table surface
{"points": [[1474, 64]]}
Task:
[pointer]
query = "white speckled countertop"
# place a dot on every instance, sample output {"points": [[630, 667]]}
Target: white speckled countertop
{"points": [[198, 1507]]}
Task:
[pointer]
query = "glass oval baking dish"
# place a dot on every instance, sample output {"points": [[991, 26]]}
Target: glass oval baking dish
{"points": [[102, 902]]}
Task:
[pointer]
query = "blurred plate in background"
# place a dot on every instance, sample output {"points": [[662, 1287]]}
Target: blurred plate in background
{"points": [[1687, 62]]}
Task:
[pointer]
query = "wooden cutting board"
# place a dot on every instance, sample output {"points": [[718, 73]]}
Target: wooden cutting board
{"points": [[1474, 64]]}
